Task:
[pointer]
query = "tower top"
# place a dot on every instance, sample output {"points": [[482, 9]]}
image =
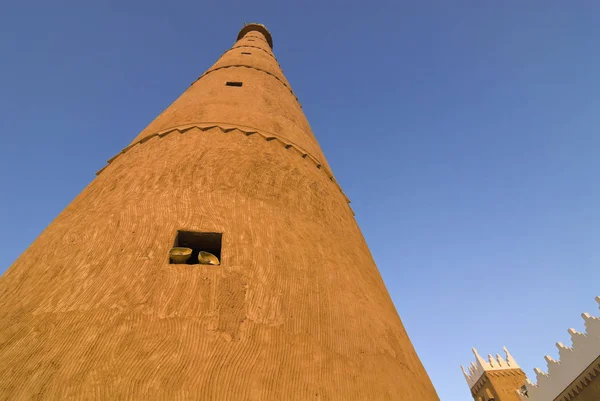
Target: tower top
{"points": [[256, 27], [477, 369]]}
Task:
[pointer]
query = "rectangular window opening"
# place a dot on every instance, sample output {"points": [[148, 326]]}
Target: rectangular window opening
{"points": [[198, 242], [234, 83], [246, 53]]}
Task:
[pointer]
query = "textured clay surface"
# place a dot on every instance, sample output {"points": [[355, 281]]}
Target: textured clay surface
{"points": [[297, 310], [501, 385]]}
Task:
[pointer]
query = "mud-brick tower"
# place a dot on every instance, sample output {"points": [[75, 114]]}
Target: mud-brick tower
{"points": [[296, 309], [496, 379]]}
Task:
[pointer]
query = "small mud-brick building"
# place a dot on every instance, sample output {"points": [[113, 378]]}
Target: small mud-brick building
{"points": [[496, 379], [296, 309]]}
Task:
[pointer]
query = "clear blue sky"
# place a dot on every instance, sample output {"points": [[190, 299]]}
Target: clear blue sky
{"points": [[465, 133]]}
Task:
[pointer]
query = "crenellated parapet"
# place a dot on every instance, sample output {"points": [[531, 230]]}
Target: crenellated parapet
{"points": [[480, 366], [573, 363]]}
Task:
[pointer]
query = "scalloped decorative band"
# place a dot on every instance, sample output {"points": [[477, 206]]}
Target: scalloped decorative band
{"points": [[226, 127]]}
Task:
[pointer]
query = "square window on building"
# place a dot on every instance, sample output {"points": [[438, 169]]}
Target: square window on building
{"points": [[193, 248]]}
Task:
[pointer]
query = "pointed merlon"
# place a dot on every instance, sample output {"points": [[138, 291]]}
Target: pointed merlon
{"points": [[509, 359], [478, 358], [574, 333], [539, 374], [530, 383], [465, 373]]}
